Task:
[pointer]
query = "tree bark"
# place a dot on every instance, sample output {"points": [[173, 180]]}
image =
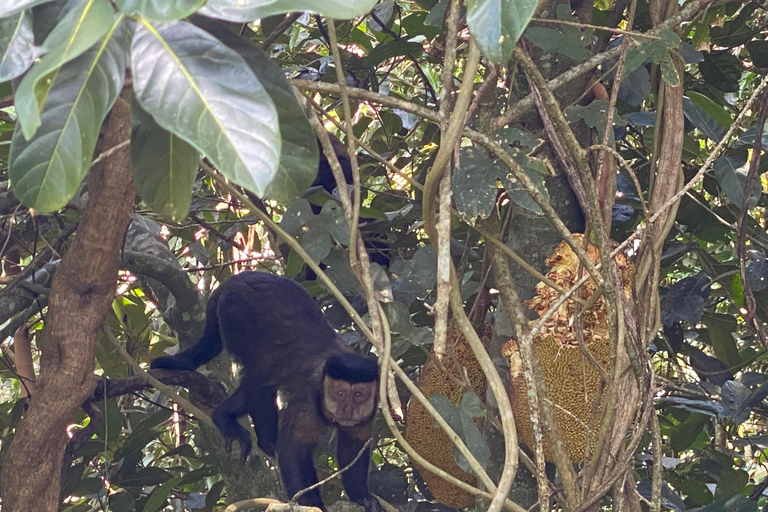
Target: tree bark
{"points": [[81, 293]]}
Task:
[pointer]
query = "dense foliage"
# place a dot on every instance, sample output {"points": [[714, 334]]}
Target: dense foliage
{"points": [[223, 154]]}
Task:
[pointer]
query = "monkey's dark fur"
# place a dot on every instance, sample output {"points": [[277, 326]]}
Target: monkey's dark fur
{"points": [[277, 332]]}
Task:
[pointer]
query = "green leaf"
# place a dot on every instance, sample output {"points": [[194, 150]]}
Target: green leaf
{"points": [[474, 185], [731, 484], [160, 495], [658, 50], [696, 491], [731, 174], [242, 11], [11, 7], [721, 329], [758, 52], [46, 171], [299, 154], [110, 428], [717, 112], [17, 46], [159, 10], [198, 474], [296, 216], [474, 440], [214, 494], [735, 504], [722, 71], [552, 40], [80, 29], [737, 31], [145, 477], [331, 218], [317, 243], [164, 166], [122, 502], [392, 49], [496, 25], [202, 91], [109, 359], [594, 115], [515, 190]]}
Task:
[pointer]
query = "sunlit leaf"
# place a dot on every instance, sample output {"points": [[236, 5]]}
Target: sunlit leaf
{"points": [[17, 46], [46, 170], [202, 91], [248, 10], [496, 25], [159, 10], [80, 29], [299, 152], [164, 166]]}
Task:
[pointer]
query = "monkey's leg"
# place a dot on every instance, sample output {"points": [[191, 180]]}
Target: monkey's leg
{"points": [[262, 407], [298, 470], [225, 417], [355, 479]]}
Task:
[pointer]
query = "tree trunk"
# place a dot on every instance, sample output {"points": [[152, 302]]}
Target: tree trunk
{"points": [[81, 294]]}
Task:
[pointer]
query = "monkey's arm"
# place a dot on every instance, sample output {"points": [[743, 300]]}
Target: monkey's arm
{"points": [[297, 438], [225, 417], [355, 479]]}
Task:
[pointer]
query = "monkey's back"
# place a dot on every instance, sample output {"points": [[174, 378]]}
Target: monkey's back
{"points": [[265, 319]]}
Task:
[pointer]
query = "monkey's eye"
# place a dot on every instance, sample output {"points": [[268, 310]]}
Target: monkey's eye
{"points": [[340, 393], [358, 395]]}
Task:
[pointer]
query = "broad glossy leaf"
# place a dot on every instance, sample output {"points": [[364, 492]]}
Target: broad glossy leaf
{"points": [[702, 120], [712, 108], [248, 10], [317, 243], [392, 49], [164, 166], [159, 10], [46, 171], [17, 46], [474, 185], [159, 496], [299, 152], [80, 29], [11, 7], [758, 52], [144, 477], [731, 484], [731, 173], [734, 504], [551, 40], [685, 300], [205, 93], [496, 25], [722, 71]]}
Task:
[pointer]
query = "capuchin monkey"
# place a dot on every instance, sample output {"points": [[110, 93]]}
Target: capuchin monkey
{"points": [[277, 332]]}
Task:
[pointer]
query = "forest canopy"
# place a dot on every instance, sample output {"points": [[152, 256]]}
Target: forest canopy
{"points": [[545, 219]]}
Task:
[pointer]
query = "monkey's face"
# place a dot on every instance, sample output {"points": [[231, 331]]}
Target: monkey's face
{"points": [[348, 403]]}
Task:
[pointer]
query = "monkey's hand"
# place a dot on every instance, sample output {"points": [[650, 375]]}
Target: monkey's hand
{"points": [[233, 431]]}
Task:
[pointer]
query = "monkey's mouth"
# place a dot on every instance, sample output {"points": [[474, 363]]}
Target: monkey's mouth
{"points": [[346, 422]]}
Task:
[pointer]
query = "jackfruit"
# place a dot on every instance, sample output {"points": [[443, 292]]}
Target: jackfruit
{"points": [[573, 383], [421, 430]]}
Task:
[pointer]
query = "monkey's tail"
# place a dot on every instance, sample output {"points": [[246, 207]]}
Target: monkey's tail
{"points": [[207, 347]]}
